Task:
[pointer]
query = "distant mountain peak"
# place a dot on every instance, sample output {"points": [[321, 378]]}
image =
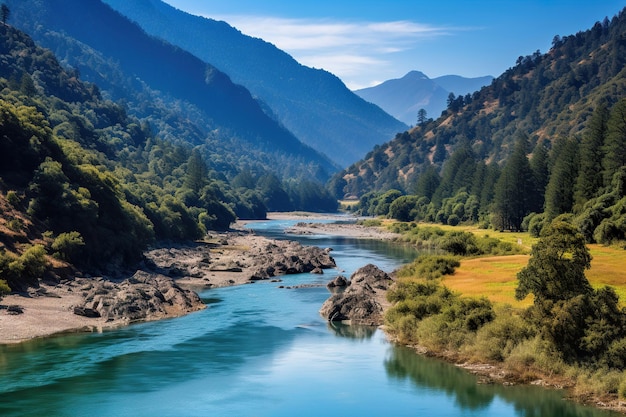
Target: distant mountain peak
{"points": [[404, 97], [415, 75]]}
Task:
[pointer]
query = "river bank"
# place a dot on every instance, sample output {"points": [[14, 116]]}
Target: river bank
{"points": [[170, 275]]}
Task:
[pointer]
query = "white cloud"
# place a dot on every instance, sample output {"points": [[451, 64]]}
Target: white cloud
{"points": [[341, 47]]}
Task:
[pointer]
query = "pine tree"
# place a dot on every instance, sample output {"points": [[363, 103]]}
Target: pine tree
{"points": [[513, 190], [560, 189], [196, 172], [590, 179], [541, 175], [615, 145]]}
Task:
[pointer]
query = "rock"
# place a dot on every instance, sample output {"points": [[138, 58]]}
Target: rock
{"points": [[142, 297], [318, 271], [15, 310], [359, 303], [86, 312], [339, 281]]}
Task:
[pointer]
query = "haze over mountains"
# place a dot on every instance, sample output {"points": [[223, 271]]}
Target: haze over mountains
{"points": [[404, 97], [313, 104], [183, 98]]}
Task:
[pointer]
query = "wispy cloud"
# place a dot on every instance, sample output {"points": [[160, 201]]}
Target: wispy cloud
{"points": [[341, 47]]}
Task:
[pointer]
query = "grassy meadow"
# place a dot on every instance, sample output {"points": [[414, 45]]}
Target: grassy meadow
{"points": [[495, 276]]}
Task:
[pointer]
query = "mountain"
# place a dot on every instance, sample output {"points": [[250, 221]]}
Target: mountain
{"points": [[314, 104], [547, 137], [184, 98], [82, 181], [404, 97]]}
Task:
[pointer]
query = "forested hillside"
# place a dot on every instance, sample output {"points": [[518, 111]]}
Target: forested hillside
{"points": [[547, 137], [312, 103], [184, 99], [81, 181]]}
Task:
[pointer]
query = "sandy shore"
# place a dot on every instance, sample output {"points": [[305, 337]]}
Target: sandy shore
{"points": [[224, 260], [45, 312]]}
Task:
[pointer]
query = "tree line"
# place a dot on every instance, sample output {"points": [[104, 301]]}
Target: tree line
{"points": [[580, 175]]}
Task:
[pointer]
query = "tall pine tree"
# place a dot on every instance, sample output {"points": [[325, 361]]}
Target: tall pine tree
{"points": [[590, 178], [560, 189], [514, 190], [615, 145]]}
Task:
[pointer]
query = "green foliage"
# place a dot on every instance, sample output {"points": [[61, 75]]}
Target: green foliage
{"points": [[12, 198], [430, 267], [556, 269], [68, 246], [23, 270], [428, 313], [4, 288], [496, 340], [582, 323], [459, 243]]}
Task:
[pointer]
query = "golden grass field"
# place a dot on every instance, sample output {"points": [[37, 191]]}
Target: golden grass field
{"points": [[495, 277]]}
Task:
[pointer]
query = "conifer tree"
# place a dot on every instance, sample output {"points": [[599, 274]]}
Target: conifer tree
{"points": [[615, 145], [513, 190], [560, 189], [541, 175], [590, 180], [196, 172]]}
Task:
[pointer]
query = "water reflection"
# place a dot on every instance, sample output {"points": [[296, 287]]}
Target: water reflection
{"points": [[528, 401], [351, 331]]}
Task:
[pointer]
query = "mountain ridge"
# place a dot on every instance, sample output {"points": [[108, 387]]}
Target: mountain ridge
{"points": [[131, 61], [404, 97], [314, 104]]}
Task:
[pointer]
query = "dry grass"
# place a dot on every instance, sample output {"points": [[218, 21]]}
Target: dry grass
{"points": [[495, 277], [608, 267]]}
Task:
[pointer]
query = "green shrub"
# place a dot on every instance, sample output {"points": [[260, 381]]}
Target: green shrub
{"points": [[431, 267], [496, 340], [15, 225], [13, 198], [459, 243], [4, 288], [27, 268], [68, 246]]}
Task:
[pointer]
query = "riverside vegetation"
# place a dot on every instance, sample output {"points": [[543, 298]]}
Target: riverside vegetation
{"points": [[573, 334], [84, 184], [541, 151]]}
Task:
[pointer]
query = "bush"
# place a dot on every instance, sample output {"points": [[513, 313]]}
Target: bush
{"points": [[68, 246], [4, 288], [26, 269], [13, 198], [431, 267], [459, 243], [496, 340]]}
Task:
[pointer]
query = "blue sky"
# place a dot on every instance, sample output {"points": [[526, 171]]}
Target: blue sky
{"points": [[365, 42]]}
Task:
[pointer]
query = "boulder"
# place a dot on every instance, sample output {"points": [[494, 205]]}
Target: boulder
{"points": [[360, 303], [339, 282], [143, 297]]}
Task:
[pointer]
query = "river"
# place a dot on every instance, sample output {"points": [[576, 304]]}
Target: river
{"points": [[257, 350]]}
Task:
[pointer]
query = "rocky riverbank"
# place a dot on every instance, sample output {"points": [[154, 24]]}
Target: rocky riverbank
{"points": [[161, 287]]}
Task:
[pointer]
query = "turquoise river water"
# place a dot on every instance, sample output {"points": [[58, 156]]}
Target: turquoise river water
{"points": [[257, 350]]}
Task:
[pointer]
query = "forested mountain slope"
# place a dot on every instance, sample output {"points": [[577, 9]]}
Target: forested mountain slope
{"points": [[314, 104], [183, 98], [83, 182], [546, 137]]}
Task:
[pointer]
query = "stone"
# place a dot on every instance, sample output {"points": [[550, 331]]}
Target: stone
{"points": [[359, 303]]}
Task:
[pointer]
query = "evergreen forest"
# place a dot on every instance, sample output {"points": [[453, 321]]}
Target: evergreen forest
{"points": [[83, 180], [547, 137]]}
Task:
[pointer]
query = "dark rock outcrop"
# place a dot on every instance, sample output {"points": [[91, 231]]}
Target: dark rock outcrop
{"points": [[142, 297], [339, 282], [360, 303], [283, 257]]}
